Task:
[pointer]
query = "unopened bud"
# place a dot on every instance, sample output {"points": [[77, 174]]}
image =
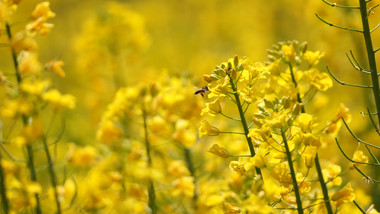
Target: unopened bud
{"points": [[236, 61], [304, 47], [268, 103], [297, 108], [233, 74], [207, 78], [219, 151], [286, 102]]}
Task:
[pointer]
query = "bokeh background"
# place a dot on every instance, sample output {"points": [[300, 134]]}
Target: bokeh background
{"points": [[147, 38], [110, 44]]}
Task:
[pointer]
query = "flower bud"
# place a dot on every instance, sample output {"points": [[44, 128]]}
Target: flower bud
{"points": [[219, 151], [289, 52]]}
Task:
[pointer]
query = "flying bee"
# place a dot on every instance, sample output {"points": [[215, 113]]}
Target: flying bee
{"points": [[202, 91]]}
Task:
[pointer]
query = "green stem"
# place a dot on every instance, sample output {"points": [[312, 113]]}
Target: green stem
{"points": [[371, 55], [358, 206], [316, 160], [241, 133], [323, 185], [191, 168], [293, 174], [151, 191], [3, 190], [53, 177], [33, 175], [295, 85], [14, 56], [244, 123], [25, 121]]}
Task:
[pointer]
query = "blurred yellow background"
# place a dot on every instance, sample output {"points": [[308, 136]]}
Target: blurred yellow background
{"points": [[110, 44]]}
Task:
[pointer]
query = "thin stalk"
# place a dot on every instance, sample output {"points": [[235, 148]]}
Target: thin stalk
{"points": [[231, 118], [14, 56], [323, 185], [358, 206], [238, 156], [231, 133], [191, 168], [293, 174], [151, 191], [244, 124], [3, 190], [53, 176], [370, 55], [29, 148], [316, 160], [33, 175], [295, 85]]}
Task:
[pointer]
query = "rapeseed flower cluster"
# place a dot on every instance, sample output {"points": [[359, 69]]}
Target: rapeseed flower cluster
{"points": [[246, 139], [282, 139], [27, 99]]}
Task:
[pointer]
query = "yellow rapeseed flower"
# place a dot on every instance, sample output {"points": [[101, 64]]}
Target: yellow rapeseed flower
{"points": [[39, 26], [81, 157], [238, 167], [184, 133], [260, 160], [275, 67], [343, 112], [28, 63], [22, 41], [309, 155], [321, 81], [22, 195], [40, 15], [55, 98], [372, 210], [9, 167], [219, 88], [306, 122], [331, 172], [289, 52], [109, 132], [43, 10], [56, 67], [178, 168], [281, 173], [36, 87], [205, 129], [359, 156], [33, 131], [346, 194], [303, 184], [219, 151], [231, 209], [212, 108], [310, 139], [312, 57], [14, 108], [184, 186]]}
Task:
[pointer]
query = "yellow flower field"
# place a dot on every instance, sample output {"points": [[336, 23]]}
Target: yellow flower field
{"points": [[189, 107]]}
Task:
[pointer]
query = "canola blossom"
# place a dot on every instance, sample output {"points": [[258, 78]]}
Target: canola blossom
{"points": [[112, 121]]}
